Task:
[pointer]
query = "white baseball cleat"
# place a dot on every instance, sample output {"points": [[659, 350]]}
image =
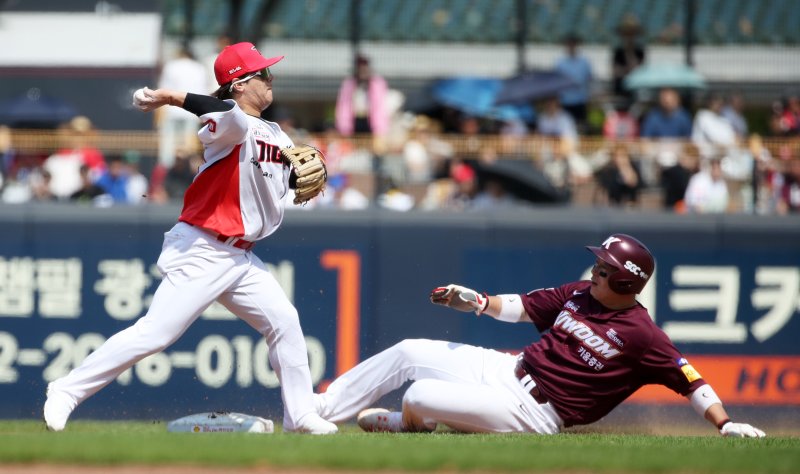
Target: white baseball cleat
{"points": [[314, 424], [57, 409], [381, 420]]}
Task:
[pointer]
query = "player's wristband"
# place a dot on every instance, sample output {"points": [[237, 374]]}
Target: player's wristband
{"points": [[723, 423], [703, 398], [511, 309]]}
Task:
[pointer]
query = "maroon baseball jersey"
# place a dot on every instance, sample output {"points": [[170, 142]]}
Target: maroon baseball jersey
{"points": [[591, 358]]}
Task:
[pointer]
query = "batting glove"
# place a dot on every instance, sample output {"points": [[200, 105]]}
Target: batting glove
{"points": [[740, 430], [460, 298]]}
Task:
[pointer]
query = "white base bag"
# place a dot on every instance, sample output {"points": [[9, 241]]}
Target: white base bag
{"points": [[221, 422]]}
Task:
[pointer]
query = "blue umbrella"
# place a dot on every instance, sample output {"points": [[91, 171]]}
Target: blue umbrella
{"points": [[532, 86], [656, 76], [476, 96], [35, 110]]}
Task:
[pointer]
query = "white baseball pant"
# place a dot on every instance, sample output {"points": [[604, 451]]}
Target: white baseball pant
{"points": [[198, 270], [467, 388]]}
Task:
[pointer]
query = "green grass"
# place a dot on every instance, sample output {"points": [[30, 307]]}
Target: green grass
{"points": [[141, 443]]}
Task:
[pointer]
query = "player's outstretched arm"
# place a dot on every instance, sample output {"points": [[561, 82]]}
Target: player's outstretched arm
{"points": [[503, 307], [146, 99], [706, 403]]}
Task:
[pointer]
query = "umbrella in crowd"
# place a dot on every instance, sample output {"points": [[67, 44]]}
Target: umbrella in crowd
{"points": [[522, 179], [532, 86], [656, 76], [476, 96], [35, 110]]}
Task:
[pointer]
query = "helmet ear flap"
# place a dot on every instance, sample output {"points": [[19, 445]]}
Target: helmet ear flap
{"points": [[620, 285]]}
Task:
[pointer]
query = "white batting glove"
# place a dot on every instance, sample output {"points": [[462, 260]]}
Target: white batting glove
{"points": [[460, 298], [740, 430], [145, 100]]}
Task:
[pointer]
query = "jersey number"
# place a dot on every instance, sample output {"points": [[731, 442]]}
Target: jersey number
{"points": [[268, 152]]}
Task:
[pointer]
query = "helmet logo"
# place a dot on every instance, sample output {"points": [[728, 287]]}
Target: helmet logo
{"points": [[610, 241], [633, 268]]}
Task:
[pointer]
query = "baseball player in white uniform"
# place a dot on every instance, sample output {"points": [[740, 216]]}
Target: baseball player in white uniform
{"points": [[235, 200]]}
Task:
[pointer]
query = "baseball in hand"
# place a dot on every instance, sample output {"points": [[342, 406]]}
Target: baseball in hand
{"points": [[141, 100]]}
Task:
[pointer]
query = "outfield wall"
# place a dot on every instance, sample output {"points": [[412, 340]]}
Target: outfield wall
{"points": [[726, 289]]}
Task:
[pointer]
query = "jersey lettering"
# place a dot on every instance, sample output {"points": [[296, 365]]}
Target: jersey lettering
{"points": [[268, 152], [212, 125], [580, 331]]}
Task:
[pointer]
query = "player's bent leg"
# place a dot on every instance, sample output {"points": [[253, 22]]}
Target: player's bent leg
{"points": [[411, 359], [469, 408], [171, 312]]}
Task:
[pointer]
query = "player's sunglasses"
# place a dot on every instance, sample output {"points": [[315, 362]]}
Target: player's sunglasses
{"points": [[602, 272], [265, 73]]}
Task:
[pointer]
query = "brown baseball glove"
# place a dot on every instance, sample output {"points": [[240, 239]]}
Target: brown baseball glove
{"points": [[309, 172]]}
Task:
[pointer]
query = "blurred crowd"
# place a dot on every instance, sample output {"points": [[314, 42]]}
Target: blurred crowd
{"points": [[580, 148]]}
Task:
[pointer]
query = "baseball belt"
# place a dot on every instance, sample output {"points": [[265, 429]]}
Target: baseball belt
{"points": [[528, 383]]}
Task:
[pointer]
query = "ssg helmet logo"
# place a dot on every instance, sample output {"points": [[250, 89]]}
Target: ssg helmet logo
{"points": [[633, 268], [237, 68]]}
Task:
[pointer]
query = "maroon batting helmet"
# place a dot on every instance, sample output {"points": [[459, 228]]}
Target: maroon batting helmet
{"points": [[632, 260]]}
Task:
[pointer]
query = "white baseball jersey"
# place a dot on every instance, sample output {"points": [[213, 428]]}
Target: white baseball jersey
{"points": [[238, 192], [243, 149]]}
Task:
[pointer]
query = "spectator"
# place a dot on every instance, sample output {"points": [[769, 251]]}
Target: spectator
{"points": [[24, 176], [65, 165], [620, 122], [114, 181], [564, 167], [789, 200], [733, 113], [627, 55], [767, 179], [137, 184], [89, 192], [40, 186], [361, 104], [223, 40], [621, 178], [707, 192], [177, 127], [6, 154], [674, 179], [554, 121], [417, 156], [786, 115], [181, 175], [494, 197], [576, 67], [711, 131], [466, 187], [669, 119]]}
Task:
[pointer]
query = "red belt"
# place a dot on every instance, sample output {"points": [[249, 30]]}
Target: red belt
{"points": [[528, 383], [237, 242]]}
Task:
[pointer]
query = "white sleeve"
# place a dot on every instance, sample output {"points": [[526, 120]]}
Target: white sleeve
{"points": [[222, 131]]}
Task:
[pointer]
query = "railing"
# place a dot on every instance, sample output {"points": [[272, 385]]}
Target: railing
{"points": [[368, 161]]}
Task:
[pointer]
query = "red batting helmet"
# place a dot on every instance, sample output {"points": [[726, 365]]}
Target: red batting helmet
{"points": [[633, 261]]}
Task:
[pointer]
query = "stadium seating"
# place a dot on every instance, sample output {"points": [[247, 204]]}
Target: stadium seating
{"points": [[488, 21]]}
